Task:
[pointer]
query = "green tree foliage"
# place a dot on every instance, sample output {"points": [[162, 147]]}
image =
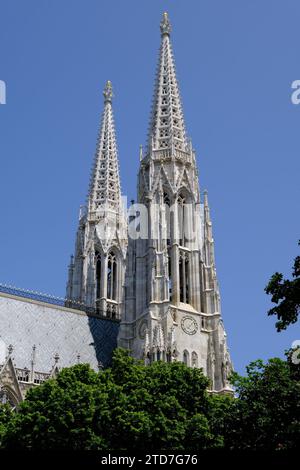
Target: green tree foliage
{"points": [[286, 294], [162, 406], [129, 406], [266, 414], [5, 418]]}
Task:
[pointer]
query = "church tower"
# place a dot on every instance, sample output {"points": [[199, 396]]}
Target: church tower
{"points": [[96, 272], [172, 303]]}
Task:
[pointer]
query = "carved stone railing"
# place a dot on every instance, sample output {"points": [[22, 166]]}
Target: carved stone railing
{"points": [[27, 376], [23, 375], [112, 309], [40, 377], [168, 154]]}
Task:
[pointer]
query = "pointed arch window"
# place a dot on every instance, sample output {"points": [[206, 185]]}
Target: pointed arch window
{"points": [[170, 285], [184, 277], [167, 236], [167, 213], [186, 357], [98, 274], [112, 276], [169, 356], [8, 398], [181, 216], [194, 359]]}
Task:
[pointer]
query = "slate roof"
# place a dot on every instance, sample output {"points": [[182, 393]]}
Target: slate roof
{"points": [[54, 329]]}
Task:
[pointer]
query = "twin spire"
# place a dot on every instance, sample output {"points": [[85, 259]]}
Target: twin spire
{"points": [[167, 128], [105, 188], [166, 132]]}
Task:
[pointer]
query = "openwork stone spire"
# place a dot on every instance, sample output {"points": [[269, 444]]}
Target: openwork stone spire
{"points": [[105, 181], [167, 128]]}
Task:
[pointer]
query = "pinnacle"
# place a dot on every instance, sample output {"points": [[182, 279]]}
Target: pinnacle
{"points": [[108, 92], [205, 195], [165, 25]]}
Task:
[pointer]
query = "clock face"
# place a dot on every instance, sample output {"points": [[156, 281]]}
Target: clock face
{"points": [[189, 325]]}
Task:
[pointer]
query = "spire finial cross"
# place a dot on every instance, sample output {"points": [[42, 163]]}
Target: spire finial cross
{"points": [[165, 25], [108, 92]]}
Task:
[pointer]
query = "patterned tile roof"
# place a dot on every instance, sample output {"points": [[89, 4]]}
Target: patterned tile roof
{"points": [[74, 335]]}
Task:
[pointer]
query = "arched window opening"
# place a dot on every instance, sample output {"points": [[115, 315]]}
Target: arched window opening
{"points": [[169, 356], [194, 359], [167, 213], [113, 312], [181, 219], [184, 277], [112, 277], [181, 279], [98, 274], [148, 359], [186, 357], [170, 275], [7, 398], [186, 272]]}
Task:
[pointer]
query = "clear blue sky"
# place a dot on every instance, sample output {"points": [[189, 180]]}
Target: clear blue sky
{"points": [[235, 61]]}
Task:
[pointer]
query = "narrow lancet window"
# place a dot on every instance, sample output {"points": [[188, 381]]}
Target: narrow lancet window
{"points": [[170, 287], [112, 277], [184, 277], [167, 215], [181, 220], [194, 359], [98, 275], [186, 357]]}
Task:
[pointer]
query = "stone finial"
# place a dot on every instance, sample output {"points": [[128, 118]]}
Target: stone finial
{"points": [[108, 92], [165, 25], [10, 349], [78, 358], [56, 358]]}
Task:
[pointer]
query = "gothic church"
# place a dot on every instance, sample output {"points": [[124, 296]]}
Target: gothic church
{"points": [[143, 278]]}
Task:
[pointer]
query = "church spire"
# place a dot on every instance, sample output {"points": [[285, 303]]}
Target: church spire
{"points": [[167, 128], [105, 181]]}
